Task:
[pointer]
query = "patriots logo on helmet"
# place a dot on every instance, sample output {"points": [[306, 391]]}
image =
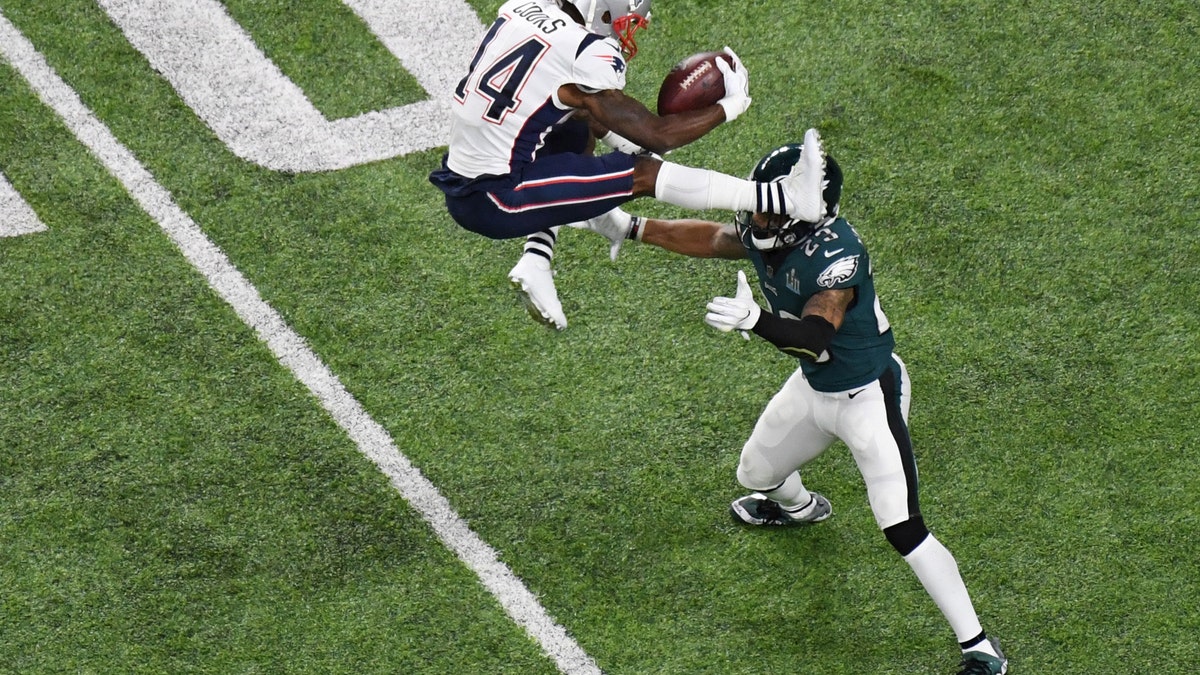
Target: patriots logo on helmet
{"points": [[841, 270]]}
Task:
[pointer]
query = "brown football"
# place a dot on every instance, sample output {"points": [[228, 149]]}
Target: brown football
{"points": [[693, 83]]}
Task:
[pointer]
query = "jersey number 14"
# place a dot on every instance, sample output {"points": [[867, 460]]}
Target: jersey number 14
{"points": [[503, 78]]}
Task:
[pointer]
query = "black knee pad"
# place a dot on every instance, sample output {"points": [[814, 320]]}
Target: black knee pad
{"points": [[907, 536]]}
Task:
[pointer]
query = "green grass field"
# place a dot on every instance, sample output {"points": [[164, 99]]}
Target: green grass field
{"points": [[174, 500]]}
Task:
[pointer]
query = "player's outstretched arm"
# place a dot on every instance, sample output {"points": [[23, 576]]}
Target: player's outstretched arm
{"points": [[627, 117], [691, 237]]}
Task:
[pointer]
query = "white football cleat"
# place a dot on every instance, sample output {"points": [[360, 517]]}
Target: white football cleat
{"points": [[534, 282], [804, 185], [614, 225]]}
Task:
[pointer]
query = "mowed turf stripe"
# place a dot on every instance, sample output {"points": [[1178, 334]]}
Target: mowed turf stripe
{"points": [[292, 351]]}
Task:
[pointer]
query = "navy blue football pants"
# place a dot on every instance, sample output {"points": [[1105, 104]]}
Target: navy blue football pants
{"points": [[563, 185]]}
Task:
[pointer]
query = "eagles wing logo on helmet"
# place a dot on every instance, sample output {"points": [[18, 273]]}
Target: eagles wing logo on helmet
{"points": [[841, 270]]}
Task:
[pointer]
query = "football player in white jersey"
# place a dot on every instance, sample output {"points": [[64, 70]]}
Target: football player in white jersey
{"points": [[822, 308], [546, 80]]}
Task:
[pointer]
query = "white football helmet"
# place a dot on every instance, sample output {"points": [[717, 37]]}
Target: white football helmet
{"points": [[618, 19]]}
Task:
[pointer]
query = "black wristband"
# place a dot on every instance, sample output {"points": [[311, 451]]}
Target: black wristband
{"points": [[806, 338], [635, 228]]}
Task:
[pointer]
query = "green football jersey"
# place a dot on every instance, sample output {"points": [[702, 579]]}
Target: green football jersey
{"points": [[833, 256]]}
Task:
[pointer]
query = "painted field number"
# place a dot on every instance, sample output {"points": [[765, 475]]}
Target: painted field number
{"points": [[264, 117], [16, 216]]}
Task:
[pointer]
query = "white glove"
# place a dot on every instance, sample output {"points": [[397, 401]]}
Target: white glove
{"points": [[621, 144], [737, 86], [615, 225], [740, 312]]}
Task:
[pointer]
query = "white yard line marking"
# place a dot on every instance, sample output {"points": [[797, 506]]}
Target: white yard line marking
{"points": [[291, 350], [16, 216], [264, 117]]}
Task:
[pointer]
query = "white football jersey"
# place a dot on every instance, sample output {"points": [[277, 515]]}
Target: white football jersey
{"points": [[508, 102]]}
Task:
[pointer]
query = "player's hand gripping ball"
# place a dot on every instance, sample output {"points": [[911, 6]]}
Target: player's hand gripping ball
{"points": [[695, 82]]}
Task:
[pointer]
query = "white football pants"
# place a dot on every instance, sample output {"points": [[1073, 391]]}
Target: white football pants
{"points": [[800, 423]]}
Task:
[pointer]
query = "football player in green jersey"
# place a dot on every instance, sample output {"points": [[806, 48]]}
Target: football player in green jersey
{"points": [[821, 307]]}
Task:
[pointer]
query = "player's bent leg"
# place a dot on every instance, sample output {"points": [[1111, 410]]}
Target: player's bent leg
{"points": [[774, 502], [799, 195], [537, 197], [701, 189], [533, 286], [785, 438], [706, 189]]}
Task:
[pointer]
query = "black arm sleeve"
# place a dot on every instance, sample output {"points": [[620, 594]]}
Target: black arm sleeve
{"points": [[805, 338]]}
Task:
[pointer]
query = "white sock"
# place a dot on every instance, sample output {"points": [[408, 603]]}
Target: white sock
{"points": [[984, 645], [706, 189], [542, 243], [938, 572], [702, 189], [793, 495]]}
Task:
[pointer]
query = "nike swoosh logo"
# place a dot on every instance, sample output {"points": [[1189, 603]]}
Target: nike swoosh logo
{"points": [[830, 254], [858, 392]]}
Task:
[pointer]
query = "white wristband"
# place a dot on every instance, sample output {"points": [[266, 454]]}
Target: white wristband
{"points": [[621, 144]]}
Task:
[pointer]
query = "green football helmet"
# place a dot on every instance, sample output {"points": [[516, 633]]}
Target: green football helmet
{"points": [[767, 232]]}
